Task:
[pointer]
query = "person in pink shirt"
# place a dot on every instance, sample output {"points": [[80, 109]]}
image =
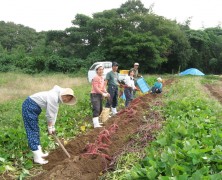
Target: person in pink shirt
{"points": [[97, 93]]}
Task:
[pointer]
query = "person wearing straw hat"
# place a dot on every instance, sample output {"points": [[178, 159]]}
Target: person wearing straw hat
{"points": [[97, 93], [157, 88], [31, 109]]}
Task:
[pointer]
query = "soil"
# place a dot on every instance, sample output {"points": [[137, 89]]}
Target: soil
{"points": [[215, 90]]}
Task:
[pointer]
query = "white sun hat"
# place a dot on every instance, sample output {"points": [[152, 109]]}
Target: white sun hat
{"points": [[159, 79], [99, 65], [69, 91]]}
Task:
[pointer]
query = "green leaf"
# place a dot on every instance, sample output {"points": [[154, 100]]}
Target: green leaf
{"points": [[181, 129], [216, 176], [151, 172], [182, 177], [219, 166], [10, 168], [162, 141], [164, 178], [28, 164], [2, 159], [196, 175], [164, 157], [2, 169]]}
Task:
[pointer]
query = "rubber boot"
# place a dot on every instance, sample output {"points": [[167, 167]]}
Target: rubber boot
{"points": [[42, 154], [38, 158], [96, 122], [101, 123], [114, 111]]}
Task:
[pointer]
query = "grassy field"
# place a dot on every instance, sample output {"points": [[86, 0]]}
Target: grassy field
{"points": [[15, 86]]}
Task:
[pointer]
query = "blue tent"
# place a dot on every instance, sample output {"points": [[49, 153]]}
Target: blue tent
{"points": [[192, 71]]}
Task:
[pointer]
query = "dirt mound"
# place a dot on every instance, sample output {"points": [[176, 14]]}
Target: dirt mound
{"points": [[216, 91], [92, 153]]}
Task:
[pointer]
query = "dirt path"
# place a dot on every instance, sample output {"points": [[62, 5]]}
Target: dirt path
{"points": [[101, 143], [215, 90]]}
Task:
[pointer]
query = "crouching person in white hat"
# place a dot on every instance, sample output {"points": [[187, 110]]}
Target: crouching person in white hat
{"points": [[157, 87], [31, 109], [97, 93]]}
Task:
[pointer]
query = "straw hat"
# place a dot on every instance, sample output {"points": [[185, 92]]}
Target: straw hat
{"points": [[69, 91]]}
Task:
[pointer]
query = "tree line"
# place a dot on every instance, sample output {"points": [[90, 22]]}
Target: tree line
{"points": [[128, 34]]}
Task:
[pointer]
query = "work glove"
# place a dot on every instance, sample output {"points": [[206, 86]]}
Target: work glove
{"points": [[120, 85], [51, 130], [105, 95], [136, 89]]}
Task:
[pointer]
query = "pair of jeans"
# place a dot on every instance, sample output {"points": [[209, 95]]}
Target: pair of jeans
{"points": [[129, 95], [156, 90], [113, 100]]}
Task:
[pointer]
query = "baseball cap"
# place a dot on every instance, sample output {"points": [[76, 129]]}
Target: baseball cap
{"points": [[115, 64]]}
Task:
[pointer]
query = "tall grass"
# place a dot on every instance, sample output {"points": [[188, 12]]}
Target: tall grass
{"points": [[14, 86]]}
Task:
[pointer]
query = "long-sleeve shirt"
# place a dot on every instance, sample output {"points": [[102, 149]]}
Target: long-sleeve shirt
{"points": [[98, 85], [49, 100], [158, 85], [130, 82]]}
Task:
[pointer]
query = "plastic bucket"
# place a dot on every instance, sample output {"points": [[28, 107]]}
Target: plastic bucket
{"points": [[123, 71]]}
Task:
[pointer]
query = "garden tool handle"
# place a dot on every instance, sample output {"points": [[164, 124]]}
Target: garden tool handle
{"points": [[61, 145]]}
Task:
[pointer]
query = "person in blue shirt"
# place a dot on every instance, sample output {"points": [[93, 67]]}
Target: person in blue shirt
{"points": [[157, 88]]}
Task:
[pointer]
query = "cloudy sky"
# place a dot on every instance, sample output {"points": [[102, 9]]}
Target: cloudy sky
{"points": [[58, 14]]}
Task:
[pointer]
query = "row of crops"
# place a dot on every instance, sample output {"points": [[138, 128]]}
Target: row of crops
{"points": [[190, 144]]}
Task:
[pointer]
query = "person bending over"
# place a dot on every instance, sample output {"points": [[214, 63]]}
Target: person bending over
{"points": [[31, 109]]}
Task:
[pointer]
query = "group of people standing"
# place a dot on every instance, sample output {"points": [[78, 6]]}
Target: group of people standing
{"points": [[112, 82], [50, 100]]}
